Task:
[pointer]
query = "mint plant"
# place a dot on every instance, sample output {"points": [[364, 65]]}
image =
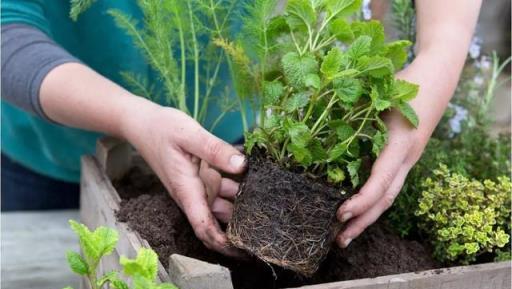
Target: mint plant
{"points": [[100, 243], [323, 80]]}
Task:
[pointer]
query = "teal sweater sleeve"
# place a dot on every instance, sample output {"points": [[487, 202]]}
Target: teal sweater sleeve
{"points": [[30, 12]]}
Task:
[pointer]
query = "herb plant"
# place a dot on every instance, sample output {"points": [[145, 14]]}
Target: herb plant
{"points": [[324, 79], [464, 217], [95, 245]]}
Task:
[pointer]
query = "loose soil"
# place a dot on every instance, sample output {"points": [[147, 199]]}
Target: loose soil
{"points": [[148, 209], [284, 217]]}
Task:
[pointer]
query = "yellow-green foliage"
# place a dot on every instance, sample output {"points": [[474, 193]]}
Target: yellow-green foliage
{"points": [[464, 217]]}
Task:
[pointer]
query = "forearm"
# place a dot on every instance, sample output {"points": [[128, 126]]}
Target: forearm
{"points": [[444, 32], [73, 94]]}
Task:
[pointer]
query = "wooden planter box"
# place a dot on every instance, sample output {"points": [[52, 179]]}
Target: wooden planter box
{"points": [[99, 201]]}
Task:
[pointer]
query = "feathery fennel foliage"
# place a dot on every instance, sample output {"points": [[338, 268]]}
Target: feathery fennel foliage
{"points": [[78, 7]]}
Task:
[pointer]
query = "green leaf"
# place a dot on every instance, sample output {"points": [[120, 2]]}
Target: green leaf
{"points": [[78, 7], [145, 264], [360, 47], [297, 68], [397, 51], [318, 152], [166, 286], [373, 29], [114, 281], [87, 241], [77, 263], [343, 7], [106, 240], [378, 142], [341, 30], [298, 100], [301, 154], [313, 80], [344, 131], [376, 66], [272, 91], [337, 151], [68, 287], [252, 138], [353, 171], [381, 104], [335, 174], [349, 90], [300, 134], [332, 62], [300, 14], [403, 90], [409, 113]]}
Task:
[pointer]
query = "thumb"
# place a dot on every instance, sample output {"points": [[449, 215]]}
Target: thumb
{"points": [[213, 150]]}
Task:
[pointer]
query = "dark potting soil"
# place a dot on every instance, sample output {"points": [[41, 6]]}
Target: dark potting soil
{"points": [[148, 209]]}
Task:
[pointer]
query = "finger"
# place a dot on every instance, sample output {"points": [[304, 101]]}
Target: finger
{"points": [[357, 225], [211, 179], [228, 189], [212, 149], [222, 209], [383, 173], [189, 191]]}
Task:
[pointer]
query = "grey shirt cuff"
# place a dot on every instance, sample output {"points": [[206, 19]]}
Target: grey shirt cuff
{"points": [[28, 55]]}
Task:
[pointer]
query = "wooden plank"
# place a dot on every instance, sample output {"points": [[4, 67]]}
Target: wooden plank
{"points": [[34, 246], [99, 202], [114, 156], [190, 273], [483, 276]]}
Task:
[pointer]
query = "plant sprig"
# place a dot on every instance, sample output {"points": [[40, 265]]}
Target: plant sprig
{"points": [[323, 79]]}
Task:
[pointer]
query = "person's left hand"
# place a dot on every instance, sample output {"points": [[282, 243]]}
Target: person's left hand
{"points": [[403, 149]]}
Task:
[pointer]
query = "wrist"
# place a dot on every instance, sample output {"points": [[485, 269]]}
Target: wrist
{"points": [[135, 112]]}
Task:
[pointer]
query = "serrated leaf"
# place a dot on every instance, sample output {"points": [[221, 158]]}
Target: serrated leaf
{"points": [[360, 47], [296, 68], [272, 91], [353, 171], [335, 174], [318, 152], [378, 142], [342, 7], [397, 51], [403, 90], [344, 131], [252, 138], [332, 62], [349, 90], [77, 263], [300, 134], [296, 101], [373, 29], [106, 240], [145, 264], [87, 241], [300, 14], [337, 151], [118, 284], [409, 113], [313, 80], [376, 66], [301, 154], [341, 30], [114, 281], [381, 104]]}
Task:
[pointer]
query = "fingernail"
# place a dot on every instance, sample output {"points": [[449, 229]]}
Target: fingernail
{"points": [[237, 161], [346, 242], [346, 216]]}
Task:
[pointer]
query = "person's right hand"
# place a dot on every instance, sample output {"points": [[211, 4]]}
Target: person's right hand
{"points": [[174, 145]]}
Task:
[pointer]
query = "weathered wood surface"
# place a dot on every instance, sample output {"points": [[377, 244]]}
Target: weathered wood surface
{"points": [[190, 273], [33, 248], [484, 276]]}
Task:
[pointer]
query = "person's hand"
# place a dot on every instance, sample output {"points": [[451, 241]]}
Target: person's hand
{"points": [[174, 145], [403, 149]]}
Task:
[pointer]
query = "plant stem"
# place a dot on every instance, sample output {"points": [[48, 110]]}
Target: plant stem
{"points": [[196, 60], [324, 114]]}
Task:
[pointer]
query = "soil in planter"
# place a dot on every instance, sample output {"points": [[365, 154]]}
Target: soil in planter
{"points": [[149, 210], [284, 217]]}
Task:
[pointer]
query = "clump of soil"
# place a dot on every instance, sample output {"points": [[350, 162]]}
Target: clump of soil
{"points": [[283, 217], [148, 209]]}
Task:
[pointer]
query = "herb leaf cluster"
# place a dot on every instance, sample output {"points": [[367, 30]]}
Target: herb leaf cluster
{"points": [[323, 78], [100, 243]]}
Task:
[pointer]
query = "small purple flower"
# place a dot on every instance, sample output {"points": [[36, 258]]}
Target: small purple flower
{"points": [[456, 121], [475, 47], [367, 11]]}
